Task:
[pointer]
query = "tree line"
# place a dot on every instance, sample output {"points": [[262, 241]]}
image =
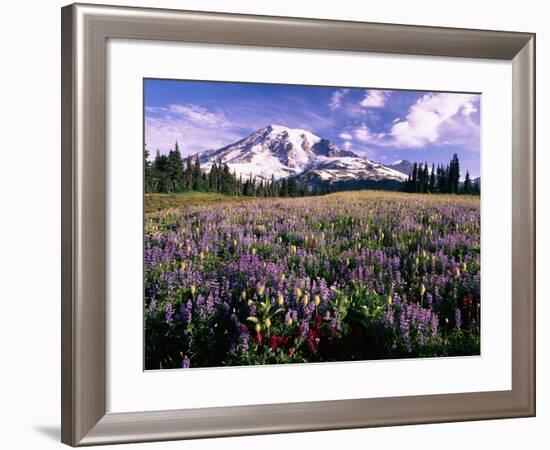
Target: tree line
{"points": [[443, 179], [171, 173]]}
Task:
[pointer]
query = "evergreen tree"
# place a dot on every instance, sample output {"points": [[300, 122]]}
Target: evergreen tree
{"points": [[432, 180], [149, 180], [284, 188], [188, 175], [442, 179], [454, 174], [197, 178], [425, 178], [292, 187], [161, 173], [415, 178], [467, 184], [174, 170], [213, 178]]}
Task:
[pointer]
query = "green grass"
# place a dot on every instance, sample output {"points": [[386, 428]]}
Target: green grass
{"points": [[157, 202]]}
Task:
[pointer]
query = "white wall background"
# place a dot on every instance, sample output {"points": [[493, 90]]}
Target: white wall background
{"points": [[30, 221]]}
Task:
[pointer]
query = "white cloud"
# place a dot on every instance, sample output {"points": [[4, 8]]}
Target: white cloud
{"points": [[196, 114], [193, 127], [345, 136], [347, 145], [364, 134], [468, 109], [430, 116], [375, 99], [336, 98]]}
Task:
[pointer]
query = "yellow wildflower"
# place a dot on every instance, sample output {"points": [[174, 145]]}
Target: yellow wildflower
{"points": [[422, 289]]}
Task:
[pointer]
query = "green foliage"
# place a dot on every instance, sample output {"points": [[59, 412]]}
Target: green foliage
{"points": [[442, 180], [170, 174]]}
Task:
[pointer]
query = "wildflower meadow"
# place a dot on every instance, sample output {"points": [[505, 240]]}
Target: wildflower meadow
{"points": [[347, 276]]}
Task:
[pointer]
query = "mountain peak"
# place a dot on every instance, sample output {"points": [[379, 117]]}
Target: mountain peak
{"points": [[403, 165], [293, 134], [282, 152]]}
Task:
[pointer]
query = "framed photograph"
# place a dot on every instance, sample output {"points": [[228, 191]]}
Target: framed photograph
{"points": [[278, 224]]}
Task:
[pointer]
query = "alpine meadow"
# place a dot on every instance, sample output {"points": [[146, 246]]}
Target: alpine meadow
{"points": [[300, 224]]}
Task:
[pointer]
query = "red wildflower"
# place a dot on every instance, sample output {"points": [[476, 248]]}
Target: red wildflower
{"points": [[275, 341], [318, 321], [278, 341], [258, 337], [467, 300], [313, 338]]}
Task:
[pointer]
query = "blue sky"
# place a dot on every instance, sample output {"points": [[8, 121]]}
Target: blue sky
{"points": [[383, 125]]}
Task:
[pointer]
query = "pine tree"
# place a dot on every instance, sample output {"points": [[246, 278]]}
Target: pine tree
{"points": [[432, 179], [197, 178], [240, 185], [415, 178], [284, 188], [174, 170], [467, 184], [425, 177], [454, 174], [160, 173], [188, 175], [149, 181]]}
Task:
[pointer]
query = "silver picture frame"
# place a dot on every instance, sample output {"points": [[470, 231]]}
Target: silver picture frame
{"points": [[85, 31]]}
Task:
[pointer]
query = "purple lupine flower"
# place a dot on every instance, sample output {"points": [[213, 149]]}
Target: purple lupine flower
{"points": [[168, 313], [458, 320], [153, 307], [342, 247], [186, 363]]}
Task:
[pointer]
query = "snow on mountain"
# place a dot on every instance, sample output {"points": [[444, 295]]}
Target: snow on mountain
{"points": [[283, 152], [354, 168]]}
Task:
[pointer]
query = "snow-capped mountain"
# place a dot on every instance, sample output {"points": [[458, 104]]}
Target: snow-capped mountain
{"points": [[354, 168], [403, 166], [284, 152]]}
